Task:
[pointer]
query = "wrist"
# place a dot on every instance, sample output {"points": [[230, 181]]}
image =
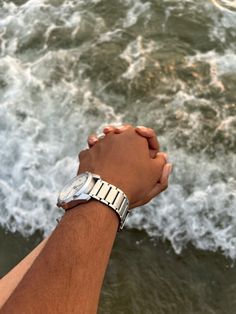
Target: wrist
{"points": [[94, 214], [88, 186]]}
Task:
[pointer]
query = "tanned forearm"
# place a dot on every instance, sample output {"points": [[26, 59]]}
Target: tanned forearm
{"points": [[12, 279], [68, 274]]}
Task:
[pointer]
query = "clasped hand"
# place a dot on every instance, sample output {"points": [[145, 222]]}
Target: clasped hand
{"points": [[128, 158]]}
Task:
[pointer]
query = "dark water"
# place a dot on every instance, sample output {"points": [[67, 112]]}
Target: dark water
{"points": [[146, 276], [14, 247], [67, 68], [193, 282]]}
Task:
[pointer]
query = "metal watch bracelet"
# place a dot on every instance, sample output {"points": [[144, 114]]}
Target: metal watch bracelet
{"points": [[112, 197]]}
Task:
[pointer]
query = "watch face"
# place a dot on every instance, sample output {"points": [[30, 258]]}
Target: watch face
{"points": [[72, 187]]}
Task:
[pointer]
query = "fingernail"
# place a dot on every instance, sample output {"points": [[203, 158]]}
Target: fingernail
{"points": [[141, 127], [164, 155], [93, 139], [169, 169], [107, 128]]}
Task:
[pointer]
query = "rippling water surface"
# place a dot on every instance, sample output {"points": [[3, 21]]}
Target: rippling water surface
{"points": [[229, 5], [67, 68]]}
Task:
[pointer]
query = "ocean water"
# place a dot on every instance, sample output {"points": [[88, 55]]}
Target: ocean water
{"points": [[68, 68]]}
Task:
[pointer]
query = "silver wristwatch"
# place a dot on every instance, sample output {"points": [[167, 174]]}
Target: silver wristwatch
{"points": [[88, 185]]}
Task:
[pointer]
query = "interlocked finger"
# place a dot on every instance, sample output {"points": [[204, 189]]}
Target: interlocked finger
{"points": [[92, 140], [159, 161], [163, 182], [108, 129], [150, 135], [160, 186]]}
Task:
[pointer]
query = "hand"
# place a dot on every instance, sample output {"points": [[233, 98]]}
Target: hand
{"points": [[148, 133], [153, 145], [123, 159]]}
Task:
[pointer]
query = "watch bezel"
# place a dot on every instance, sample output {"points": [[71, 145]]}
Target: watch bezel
{"points": [[80, 195]]}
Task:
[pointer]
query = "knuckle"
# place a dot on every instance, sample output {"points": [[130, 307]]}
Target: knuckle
{"points": [[162, 159], [151, 132], [92, 137]]}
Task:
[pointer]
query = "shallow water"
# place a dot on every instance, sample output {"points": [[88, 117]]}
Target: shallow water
{"points": [[67, 68]]}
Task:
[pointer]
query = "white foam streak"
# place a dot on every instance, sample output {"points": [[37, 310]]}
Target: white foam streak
{"points": [[227, 5], [37, 118], [135, 55], [137, 9], [201, 210]]}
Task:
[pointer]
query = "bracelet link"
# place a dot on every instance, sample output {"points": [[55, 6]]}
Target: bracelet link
{"points": [[112, 197]]}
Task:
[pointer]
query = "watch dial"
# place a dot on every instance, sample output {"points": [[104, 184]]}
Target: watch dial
{"points": [[73, 186]]}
